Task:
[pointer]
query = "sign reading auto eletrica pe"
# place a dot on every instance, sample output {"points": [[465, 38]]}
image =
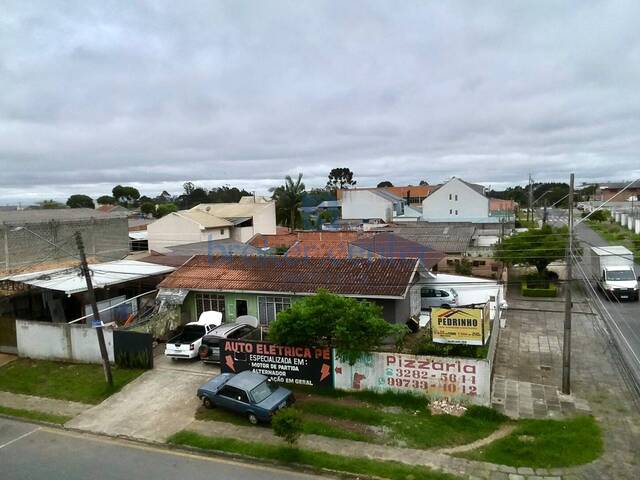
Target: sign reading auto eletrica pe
{"points": [[282, 364], [467, 326]]}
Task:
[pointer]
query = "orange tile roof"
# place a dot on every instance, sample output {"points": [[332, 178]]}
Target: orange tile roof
{"points": [[386, 277], [273, 241]]}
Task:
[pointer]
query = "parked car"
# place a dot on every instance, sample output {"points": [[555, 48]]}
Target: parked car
{"points": [[210, 349], [438, 297], [247, 393], [187, 344]]}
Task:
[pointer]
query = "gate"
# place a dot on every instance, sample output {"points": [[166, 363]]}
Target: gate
{"points": [[133, 349], [8, 341]]}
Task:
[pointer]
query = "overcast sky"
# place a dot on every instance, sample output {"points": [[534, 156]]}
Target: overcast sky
{"points": [[95, 93]]}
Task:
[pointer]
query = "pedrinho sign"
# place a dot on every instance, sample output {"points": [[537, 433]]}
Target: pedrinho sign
{"points": [[462, 378], [282, 364], [466, 326]]}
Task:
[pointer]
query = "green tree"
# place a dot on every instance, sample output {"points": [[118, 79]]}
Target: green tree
{"points": [[288, 424], [288, 198], [325, 319], [423, 183], [80, 201], [463, 267], [385, 183], [125, 195], [148, 208], [326, 216], [536, 247], [598, 215], [165, 209], [50, 204], [106, 200], [340, 178]]}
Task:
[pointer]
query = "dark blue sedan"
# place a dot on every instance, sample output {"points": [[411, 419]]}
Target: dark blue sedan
{"points": [[247, 393]]}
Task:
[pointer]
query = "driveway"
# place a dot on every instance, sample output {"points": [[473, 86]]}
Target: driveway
{"points": [[156, 405]]}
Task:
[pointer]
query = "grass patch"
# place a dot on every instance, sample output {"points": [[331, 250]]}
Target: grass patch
{"points": [[419, 429], [66, 381], [545, 444], [389, 398], [34, 415], [317, 427], [289, 455]]}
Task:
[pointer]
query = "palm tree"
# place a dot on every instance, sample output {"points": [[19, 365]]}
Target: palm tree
{"points": [[288, 199]]}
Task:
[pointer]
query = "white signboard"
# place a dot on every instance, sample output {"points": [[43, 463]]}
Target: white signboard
{"points": [[462, 378]]}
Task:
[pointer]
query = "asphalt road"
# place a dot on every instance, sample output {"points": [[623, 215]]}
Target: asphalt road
{"points": [[624, 316], [28, 451]]}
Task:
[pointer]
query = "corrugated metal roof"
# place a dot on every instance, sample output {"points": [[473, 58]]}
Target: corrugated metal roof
{"points": [[205, 219], [444, 238], [215, 247], [394, 246], [380, 277], [70, 280], [228, 210]]}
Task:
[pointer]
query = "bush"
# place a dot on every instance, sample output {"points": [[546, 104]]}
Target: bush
{"points": [[287, 424], [527, 291], [598, 216], [463, 267]]}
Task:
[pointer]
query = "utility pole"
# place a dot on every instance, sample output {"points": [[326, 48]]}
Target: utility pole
{"points": [[96, 314], [566, 344]]}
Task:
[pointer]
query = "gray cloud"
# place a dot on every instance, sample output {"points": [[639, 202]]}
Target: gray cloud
{"points": [[237, 92]]}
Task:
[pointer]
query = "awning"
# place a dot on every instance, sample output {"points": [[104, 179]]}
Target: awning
{"points": [[70, 280]]}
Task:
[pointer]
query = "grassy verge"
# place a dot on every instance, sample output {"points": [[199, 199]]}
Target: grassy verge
{"points": [[310, 426], [545, 444], [615, 234], [34, 415], [289, 455], [418, 429], [65, 381], [389, 398]]}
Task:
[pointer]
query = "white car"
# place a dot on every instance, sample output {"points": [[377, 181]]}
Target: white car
{"points": [[438, 297], [187, 344]]}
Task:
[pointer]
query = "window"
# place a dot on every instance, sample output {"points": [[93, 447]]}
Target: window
{"points": [[456, 197], [456, 212], [234, 393], [269, 307], [450, 262], [222, 231], [450, 212], [209, 301], [449, 196]]}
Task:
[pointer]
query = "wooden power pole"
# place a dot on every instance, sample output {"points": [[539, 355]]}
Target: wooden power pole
{"points": [[566, 344], [96, 315]]}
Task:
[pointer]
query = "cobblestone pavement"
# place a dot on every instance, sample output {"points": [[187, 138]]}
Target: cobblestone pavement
{"points": [[528, 374]]}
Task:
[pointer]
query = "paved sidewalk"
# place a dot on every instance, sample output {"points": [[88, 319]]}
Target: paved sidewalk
{"points": [[40, 404], [349, 448], [528, 375]]}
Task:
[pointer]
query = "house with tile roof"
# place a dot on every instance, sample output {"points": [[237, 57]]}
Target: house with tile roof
{"points": [[213, 221], [262, 286]]}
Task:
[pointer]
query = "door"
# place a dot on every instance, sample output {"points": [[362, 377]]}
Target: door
{"points": [[241, 308]]}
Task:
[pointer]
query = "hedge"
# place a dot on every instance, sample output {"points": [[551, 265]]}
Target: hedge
{"points": [[552, 291]]}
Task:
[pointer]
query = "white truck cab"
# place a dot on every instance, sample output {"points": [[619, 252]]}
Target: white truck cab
{"points": [[187, 344], [612, 268]]}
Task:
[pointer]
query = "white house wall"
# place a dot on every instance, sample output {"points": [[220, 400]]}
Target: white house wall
{"points": [[470, 205], [172, 230], [365, 205], [264, 220], [61, 341]]}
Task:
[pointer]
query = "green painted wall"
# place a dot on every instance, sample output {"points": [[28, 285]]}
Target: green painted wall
{"points": [[189, 305]]}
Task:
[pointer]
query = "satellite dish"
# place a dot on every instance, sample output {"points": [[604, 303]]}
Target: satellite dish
{"points": [[248, 320], [211, 316]]}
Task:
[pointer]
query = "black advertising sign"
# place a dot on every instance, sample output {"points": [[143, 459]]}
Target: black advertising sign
{"points": [[282, 364]]}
